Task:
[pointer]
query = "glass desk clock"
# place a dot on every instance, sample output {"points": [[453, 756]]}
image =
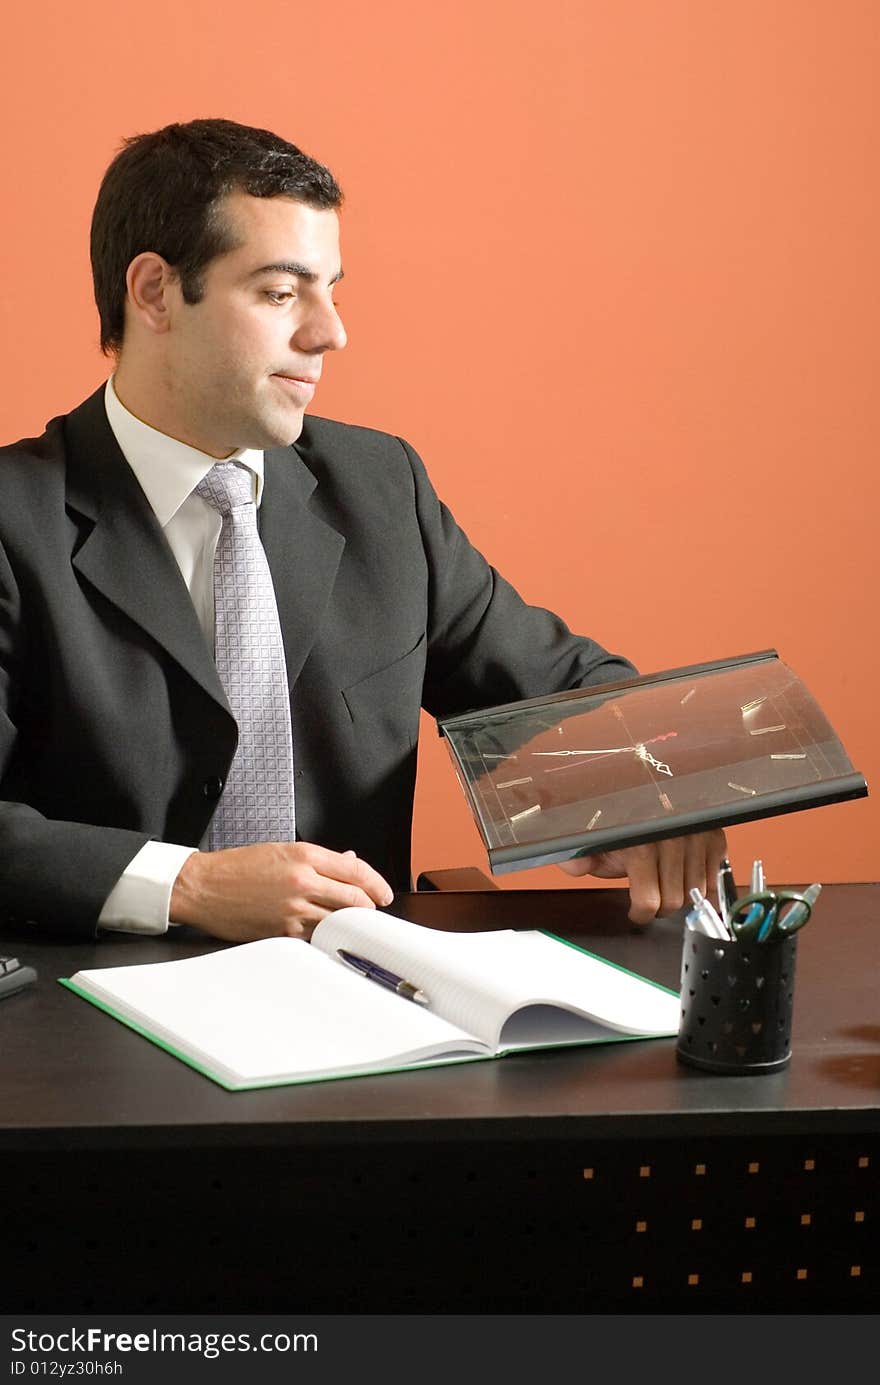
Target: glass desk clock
{"points": [[613, 765]]}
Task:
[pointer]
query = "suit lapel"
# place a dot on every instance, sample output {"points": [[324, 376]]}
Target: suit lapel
{"points": [[303, 553], [125, 555]]}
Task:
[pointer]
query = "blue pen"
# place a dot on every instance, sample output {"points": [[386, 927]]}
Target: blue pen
{"points": [[385, 978]]}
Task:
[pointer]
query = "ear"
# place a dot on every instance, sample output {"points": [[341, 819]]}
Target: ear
{"points": [[151, 283]]}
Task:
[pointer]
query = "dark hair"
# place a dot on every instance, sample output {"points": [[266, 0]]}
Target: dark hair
{"points": [[162, 192]]}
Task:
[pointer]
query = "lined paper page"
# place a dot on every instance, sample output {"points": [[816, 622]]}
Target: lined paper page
{"points": [[476, 980]]}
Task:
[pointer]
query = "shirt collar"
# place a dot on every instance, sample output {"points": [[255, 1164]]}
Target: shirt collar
{"points": [[168, 471]]}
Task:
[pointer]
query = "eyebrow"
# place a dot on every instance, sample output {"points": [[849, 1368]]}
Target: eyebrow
{"points": [[300, 271]]}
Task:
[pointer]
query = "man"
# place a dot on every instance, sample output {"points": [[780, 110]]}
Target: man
{"points": [[215, 251]]}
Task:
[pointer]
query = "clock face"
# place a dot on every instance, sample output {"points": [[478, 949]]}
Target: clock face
{"points": [[705, 747]]}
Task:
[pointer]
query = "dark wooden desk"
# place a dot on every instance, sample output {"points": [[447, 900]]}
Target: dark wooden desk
{"points": [[591, 1180]]}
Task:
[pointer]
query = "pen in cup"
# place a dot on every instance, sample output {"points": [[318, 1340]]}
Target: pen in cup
{"points": [[799, 913], [385, 978], [726, 892], [704, 915]]}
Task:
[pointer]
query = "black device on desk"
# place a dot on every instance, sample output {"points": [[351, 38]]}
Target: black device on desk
{"points": [[14, 976]]}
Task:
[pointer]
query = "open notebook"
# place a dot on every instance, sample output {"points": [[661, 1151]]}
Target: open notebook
{"points": [[283, 1010]]}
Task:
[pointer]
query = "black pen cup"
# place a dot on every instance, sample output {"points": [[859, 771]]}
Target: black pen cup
{"points": [[737, 1003]]}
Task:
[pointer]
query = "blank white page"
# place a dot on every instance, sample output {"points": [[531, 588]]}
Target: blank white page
{"points": [[272, 1010]]}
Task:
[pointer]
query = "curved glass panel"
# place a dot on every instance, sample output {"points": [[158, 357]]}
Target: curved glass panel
{"points": [[622, 763]]}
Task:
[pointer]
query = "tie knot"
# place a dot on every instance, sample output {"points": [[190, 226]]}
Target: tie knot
{"points": [[227, 486]]}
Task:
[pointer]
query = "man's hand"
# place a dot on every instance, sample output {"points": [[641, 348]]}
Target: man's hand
{"points": [[661, 874], [276, 888]]}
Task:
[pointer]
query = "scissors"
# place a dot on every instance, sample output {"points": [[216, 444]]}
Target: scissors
{"points": [[769, 914]]}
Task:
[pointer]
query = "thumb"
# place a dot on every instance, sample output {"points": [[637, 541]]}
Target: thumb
{"points": [[581, 865]]}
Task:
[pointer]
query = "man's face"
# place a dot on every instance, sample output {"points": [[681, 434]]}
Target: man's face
{"points": [[242, 365]]}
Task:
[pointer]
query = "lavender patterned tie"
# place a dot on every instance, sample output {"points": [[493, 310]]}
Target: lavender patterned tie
{"points": [[257, 802]]}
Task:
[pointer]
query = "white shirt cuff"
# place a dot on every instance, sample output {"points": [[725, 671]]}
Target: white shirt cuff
{"points": [[141, 898]]}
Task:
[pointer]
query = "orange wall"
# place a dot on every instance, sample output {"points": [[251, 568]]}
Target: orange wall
{"points": [[611, 267]]}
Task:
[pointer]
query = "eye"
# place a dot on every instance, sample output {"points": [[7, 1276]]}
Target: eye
{"points": [[280, 296]]}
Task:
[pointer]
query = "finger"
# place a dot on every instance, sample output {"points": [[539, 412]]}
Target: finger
{"points": [[605, 865], [320, 895], [696, 872], [716, 850], [706, 851], [304, 928], [349, 868], [671, 864], [644, 883], [580, 865]]}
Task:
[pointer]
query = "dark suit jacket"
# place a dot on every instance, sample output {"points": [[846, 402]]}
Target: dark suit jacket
{"points": [[114, 728]]}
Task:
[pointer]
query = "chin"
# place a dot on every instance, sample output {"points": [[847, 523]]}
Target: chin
{"points": [[273, 433]]}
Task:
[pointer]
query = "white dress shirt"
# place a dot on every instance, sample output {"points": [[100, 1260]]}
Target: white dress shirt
{"points": [[168, 472]]}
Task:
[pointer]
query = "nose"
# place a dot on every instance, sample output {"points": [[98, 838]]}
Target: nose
{"points": [[321, 330]]}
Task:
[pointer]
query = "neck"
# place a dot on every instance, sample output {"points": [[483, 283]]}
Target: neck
{"points": [[139, 391]]}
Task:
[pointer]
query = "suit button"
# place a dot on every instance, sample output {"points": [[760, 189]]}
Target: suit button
{"points": [[212, 788]]}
